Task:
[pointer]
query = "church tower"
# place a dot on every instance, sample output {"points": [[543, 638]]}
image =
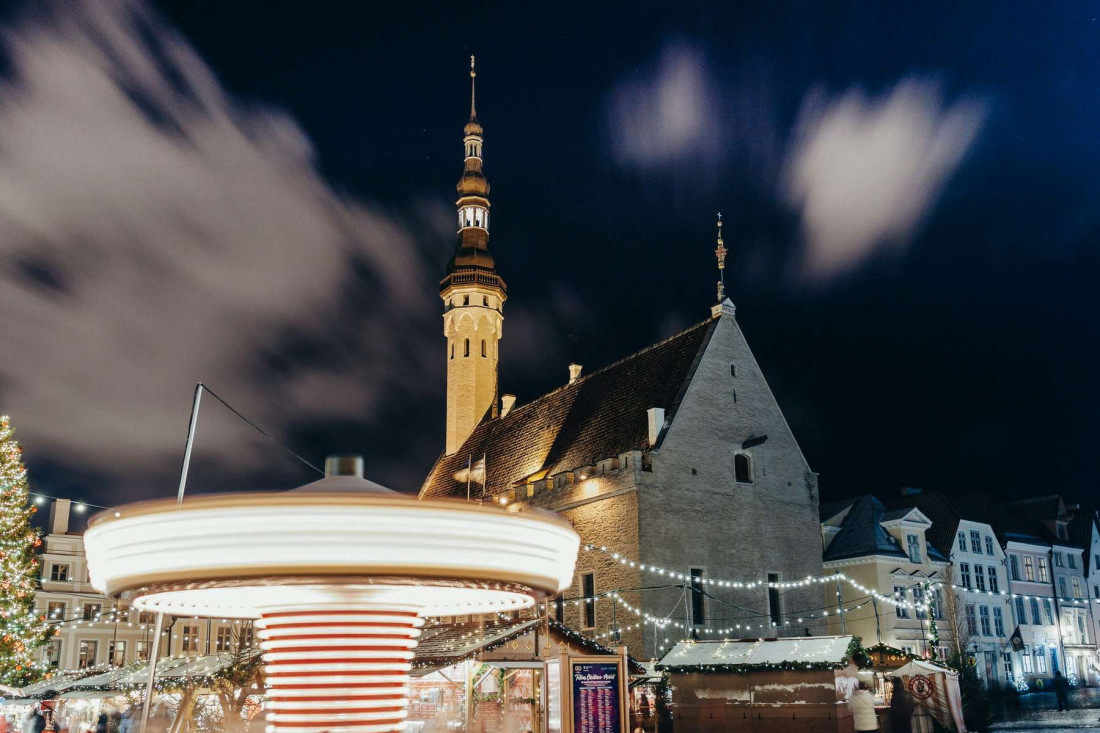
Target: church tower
{"points": [[473, 298]]}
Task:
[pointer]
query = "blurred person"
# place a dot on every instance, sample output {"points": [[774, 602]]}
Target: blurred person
{"points": [[1061, 690], [901, 709], [862, 705]]}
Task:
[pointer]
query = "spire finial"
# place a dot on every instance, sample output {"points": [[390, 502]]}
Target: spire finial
{"points": [[473, 77], [720, 253]]}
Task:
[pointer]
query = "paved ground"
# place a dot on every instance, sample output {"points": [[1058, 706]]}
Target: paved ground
{"points": [[1038, 712]]}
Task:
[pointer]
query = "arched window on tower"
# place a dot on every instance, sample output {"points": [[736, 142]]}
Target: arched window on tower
{"points": [[483, 352], [742, 468]]}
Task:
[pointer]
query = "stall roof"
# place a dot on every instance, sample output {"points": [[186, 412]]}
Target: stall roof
{"points": [[444, 644], [747, 653], [57, 682]]}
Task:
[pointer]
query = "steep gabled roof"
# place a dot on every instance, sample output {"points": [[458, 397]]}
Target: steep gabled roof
{"points": [[861, 534], [601, 415]]}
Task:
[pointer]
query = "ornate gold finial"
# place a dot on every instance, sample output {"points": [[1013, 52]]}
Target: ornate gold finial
{"points": [[473, 77], [720, 253]]}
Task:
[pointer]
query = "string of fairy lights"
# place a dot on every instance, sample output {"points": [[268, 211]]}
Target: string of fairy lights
{"points": [[820, 579]]}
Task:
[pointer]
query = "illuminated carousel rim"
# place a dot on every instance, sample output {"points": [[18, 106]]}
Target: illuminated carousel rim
{"points": [[237, 598], [230, 538]]}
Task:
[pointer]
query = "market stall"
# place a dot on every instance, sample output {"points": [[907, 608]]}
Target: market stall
{"points": [[763, 685], [936, 690]]}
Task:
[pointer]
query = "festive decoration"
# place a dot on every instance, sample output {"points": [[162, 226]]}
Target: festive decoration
{"points": [[22, 630], [855, 654]]}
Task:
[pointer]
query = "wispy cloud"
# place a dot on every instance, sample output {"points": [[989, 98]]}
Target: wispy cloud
{"points": [[667, 115], [154, 231], [863, 172]]}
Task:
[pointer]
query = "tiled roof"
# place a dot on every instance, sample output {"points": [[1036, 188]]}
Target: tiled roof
{"points": [[861, 533], [1080, 533], [599, 416]]}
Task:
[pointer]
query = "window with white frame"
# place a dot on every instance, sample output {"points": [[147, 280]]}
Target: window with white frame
{"points": [[979, 577], [190, 638], [1071, 561], [59, 572], [1029, 569], [55, 611], [937, 595], [1047, 613], [87, 654], [1077, 591], [983, 614], [989, 545], [964, 570], [971, 619], [1021, 615], [962, 541], [1062, 586], [1035, 612], [975, 542], [918, 601], [1025, 658], [994, 584], [141, 650], [998, 621], [1006, 659], [1044, 576], [1057, 559], [92, 611], [913, 543], [899, 594], [223, 639], [1014, 567], [1040, 660]]}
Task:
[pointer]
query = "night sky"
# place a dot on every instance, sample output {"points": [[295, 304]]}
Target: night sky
{"points": [[259, 195]]}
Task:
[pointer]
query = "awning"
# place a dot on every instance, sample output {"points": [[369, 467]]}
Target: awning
{"points": [[805, 652]]}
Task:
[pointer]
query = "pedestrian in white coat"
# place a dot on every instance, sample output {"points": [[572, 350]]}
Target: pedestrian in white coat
{"points": [[862, 705]]}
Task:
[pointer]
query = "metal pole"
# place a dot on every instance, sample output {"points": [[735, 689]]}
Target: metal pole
{"points": [[840, 604], [190, 440], [687, 613], [152, 672], [878, 624], [191, 425]]}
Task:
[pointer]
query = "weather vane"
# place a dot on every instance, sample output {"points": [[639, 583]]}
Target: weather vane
{"points": [[720, 253]]}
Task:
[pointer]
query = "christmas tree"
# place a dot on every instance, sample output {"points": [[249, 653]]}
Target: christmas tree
{"points": [[22, 629]]}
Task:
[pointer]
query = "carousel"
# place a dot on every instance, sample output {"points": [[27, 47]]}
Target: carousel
{"points": [[338, 575]]}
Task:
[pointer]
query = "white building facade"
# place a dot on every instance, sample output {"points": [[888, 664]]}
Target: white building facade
{"points": [[982, 580]]}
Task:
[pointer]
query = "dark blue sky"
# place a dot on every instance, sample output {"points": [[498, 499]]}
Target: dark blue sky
{"points": [[958, 357]]}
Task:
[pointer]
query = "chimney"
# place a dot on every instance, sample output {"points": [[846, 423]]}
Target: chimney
{"points": [[507, 402], [911, 491], [574, 372], [346, 465], [655, 416], [59, 516]]}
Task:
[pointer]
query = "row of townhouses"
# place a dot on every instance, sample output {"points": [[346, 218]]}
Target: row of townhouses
{"points": [[1018, 582]]}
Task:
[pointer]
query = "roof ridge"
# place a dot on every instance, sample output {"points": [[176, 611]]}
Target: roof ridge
{"points": [[606, 367]]}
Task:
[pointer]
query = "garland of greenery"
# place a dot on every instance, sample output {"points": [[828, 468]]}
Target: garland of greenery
{"points": [[855, 654]]}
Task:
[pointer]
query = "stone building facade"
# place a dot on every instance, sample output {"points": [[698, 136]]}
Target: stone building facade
{"points": [[675, 463]]}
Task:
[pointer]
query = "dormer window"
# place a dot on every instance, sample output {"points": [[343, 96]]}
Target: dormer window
{"points": [[913, 544]]}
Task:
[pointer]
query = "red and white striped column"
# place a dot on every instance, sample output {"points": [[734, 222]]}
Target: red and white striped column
{"points": [[338, 669]]}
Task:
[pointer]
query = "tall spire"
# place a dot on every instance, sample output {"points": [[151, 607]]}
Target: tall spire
{"points": [[473, 81], [720, 253], [473, 296]]}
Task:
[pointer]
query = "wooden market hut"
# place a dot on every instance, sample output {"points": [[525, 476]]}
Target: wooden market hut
{"points": [[763, 685]]}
